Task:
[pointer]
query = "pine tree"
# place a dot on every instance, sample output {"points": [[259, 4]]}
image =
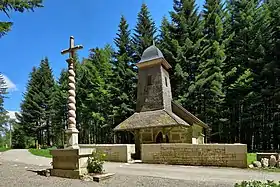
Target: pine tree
{"points": [[59, 103], [180, 41], [36, 108], [93, 95], [47, 88], [3, 92], [17, 6], [240, 21], [124, 88], [144, 33], [29, 118], [209, 80], [271, 84]]}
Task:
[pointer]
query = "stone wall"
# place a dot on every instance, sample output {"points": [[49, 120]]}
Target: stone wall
{"points": [[176, 134], [114, 152], [180, 134], [149, 96], [166, 89], [229, 155]]}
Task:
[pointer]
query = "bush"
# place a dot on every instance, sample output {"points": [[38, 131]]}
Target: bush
{"points": [[95, 162], [257, 184]]}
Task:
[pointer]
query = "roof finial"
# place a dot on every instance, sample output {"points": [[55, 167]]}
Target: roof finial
{"points": [[154, 43]]}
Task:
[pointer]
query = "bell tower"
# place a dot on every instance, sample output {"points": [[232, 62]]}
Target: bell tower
{"points": [[153, 87]]}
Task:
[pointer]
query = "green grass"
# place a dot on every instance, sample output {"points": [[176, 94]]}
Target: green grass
{"points": [[2, 149], [41, 152], [251, 157]]}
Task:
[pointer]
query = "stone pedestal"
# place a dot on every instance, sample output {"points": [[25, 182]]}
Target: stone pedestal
{"points": [[70, 163], [72, 142]]}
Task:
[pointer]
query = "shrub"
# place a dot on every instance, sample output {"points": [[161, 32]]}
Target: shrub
{"points": [[95, 162], [257, 184]]}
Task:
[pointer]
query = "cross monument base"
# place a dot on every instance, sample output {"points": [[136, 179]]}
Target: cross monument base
{"points": [[70, 163]]}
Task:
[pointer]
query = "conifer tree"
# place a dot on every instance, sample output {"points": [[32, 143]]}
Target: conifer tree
{"points": [[47, 88], [144, 33], [59, 103], [36, 108], [18, 6], [93, 95], [180, 44], [125, 76], [3, 92], [240, 21], [209, 78]]}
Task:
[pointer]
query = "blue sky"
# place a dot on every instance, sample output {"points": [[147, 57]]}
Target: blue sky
{"points": [[45, 32]]}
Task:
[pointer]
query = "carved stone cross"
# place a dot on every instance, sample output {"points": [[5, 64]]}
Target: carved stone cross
{"points": [[72, 131]]}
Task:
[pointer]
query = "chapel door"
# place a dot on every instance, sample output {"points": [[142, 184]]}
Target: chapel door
{"points": [[159, 138]]}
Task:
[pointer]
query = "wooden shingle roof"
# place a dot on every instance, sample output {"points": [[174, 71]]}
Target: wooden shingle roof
{"points": [[148, 119]]}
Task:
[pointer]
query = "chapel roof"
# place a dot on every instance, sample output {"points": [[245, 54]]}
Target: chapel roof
{"points": [[151, 53], [148, 119]]}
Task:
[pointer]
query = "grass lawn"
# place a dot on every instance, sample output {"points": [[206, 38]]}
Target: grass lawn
{"points": [[251, 157], [2, 149], [41, 152]]}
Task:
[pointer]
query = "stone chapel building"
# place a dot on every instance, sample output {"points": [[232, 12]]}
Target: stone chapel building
{"points": [[158, 119]]}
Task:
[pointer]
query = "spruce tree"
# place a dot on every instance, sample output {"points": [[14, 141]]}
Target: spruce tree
{"points": [[240, 21], [30, 113], [18, 6], [47, 88], [144, 33], [180, 41], [3, 92], [59, 103], [36, 108], [209, 80], [271, 74], [94, 96], [124, 88]]}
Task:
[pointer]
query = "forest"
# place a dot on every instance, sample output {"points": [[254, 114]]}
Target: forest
{"points": [[225, 59]]}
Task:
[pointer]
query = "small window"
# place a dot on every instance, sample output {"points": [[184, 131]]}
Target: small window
{"points": [[149, 80], [166, 82]]}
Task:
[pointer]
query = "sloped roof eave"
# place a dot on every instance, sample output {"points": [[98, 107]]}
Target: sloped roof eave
{"points": [[151, 119], [190, 118]]}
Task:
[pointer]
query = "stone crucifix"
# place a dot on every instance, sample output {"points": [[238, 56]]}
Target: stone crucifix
{"points": [[72, 131]]}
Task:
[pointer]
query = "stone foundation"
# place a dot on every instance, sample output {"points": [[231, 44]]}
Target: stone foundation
{"points": [[70, 163], [227, 155], [114, 152]]}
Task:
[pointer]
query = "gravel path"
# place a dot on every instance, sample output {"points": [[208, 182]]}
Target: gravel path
{"points": [[13, 172], [24, 156], [21, 175]]}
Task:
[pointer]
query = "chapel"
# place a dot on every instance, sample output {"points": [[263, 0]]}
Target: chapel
{"points": [[157, 118]]}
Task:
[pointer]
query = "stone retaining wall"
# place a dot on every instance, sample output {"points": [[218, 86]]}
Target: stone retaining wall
{"points": [[228, 155], [114, 152]]}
